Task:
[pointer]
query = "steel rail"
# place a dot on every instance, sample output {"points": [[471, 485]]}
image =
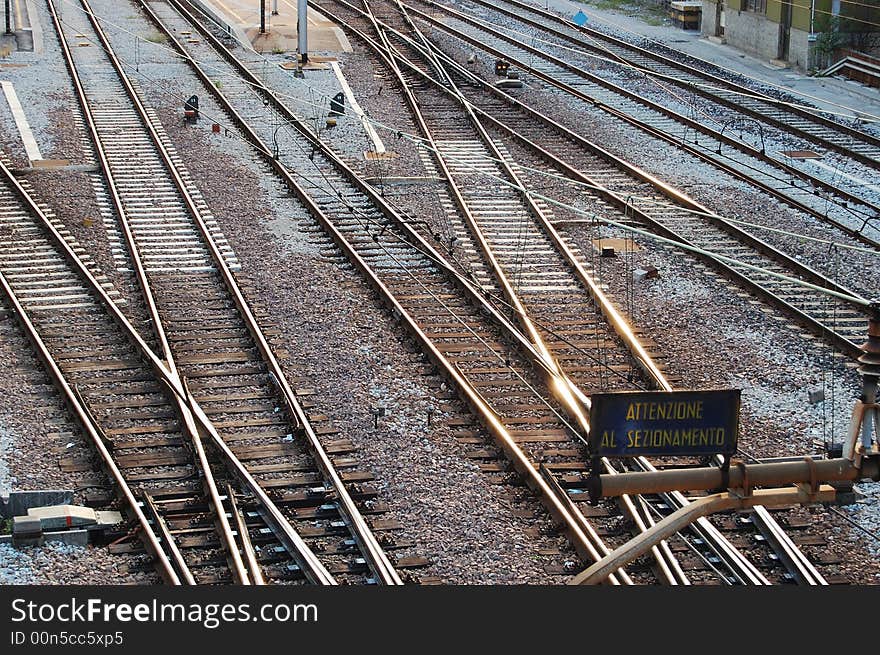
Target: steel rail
{"points": [[348, 507], [569, 399], [623, 329], [147, 535], [590, 31], [375, 555], [743, 569], [470, 395], [795, 560], [626, 205], [247, 546], [415, 238], [781, 105], [167, 537], [281, 526], [236, 565], [486, 248], [668, 567], [661, 186], [615, 320], [762, 247], [705, 531], [640, 124]]}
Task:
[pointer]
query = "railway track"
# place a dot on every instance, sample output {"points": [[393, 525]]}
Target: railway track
{"points": [[800, 121], [453, 326], [58, 301], [447, 336], [219, 360], [845, 208], [432, 111], [554, 149]]}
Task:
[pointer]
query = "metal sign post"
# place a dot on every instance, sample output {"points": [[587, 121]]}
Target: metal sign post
{"points": [[8, 16], [302, 29], [262, 16]]}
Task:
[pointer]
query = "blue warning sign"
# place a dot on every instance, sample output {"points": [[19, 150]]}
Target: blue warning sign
{"points": [[580, 19], [676, 423]]}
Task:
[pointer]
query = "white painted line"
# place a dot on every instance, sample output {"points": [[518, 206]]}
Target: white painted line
{"points": [[356, 108], [27, 137], [857, 180]]}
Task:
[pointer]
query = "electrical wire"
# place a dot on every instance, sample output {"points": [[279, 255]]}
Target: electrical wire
{"points": [[717, 256]]}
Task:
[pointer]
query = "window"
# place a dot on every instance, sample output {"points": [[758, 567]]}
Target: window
{"points": [[758, 6]]}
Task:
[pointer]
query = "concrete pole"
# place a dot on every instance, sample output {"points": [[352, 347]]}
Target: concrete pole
{"points": [[302, 29]]}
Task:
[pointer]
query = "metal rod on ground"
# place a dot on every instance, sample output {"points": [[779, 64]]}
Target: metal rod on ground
{"points": [[302, 29], [683, 517]]}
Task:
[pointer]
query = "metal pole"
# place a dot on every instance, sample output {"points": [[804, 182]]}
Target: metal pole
{"points": [[740, 475], [262, 16], [274, 7], [302, 29], [8, 17]]}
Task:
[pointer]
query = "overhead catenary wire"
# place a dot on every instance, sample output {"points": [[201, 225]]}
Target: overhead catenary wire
{"points": [[322, 107], [517, 187], [696, 110], [858, 300], [336, 194], [786, 183], [783, 89], [586, 32]]}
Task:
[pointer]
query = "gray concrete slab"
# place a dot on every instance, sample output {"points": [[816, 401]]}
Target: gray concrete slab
{"points": [[55, 517], [244, 18], [36, 27], [68, 537], [31, 148]]}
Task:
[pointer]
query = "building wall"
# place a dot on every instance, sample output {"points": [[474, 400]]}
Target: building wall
{"points": [[800, 50], [758, 33], [707, 19], [752, 33]]}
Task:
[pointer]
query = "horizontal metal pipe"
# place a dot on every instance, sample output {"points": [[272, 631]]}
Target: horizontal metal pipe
{"points": [[752, 475]]}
